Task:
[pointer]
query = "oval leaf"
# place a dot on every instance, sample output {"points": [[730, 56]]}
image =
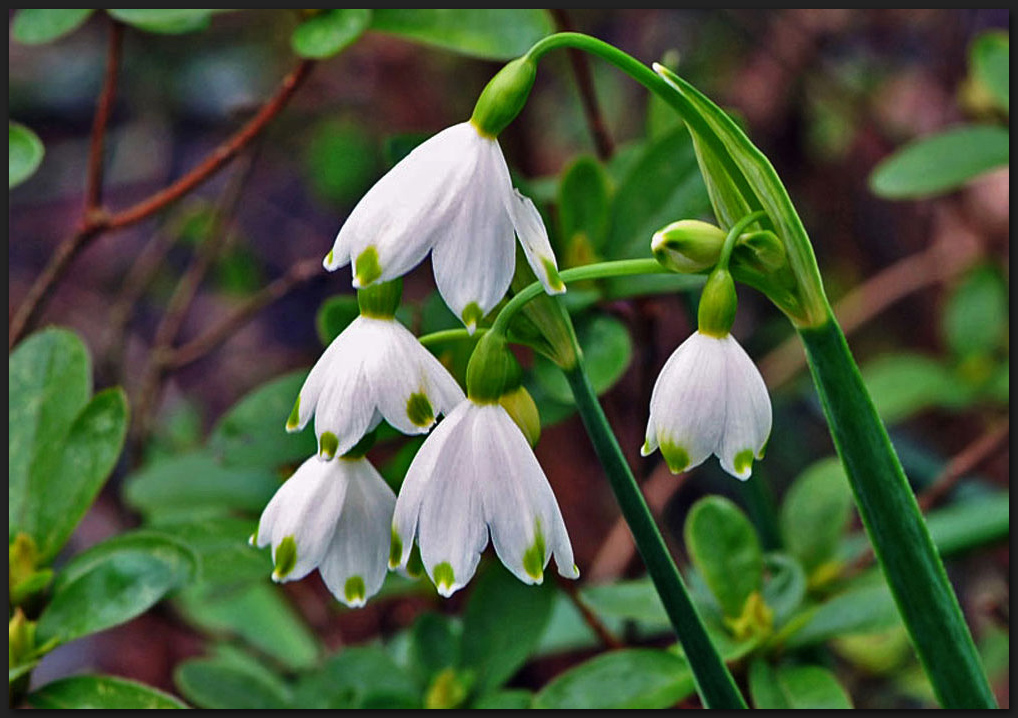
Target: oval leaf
{"points": [[166, 22], [584, 205], [356, 678], [34, 26], [902, 385], [795, 687], [868, 609], [223, 683], [329, 32], [495, 34], [975, 319], [25, 153], [101, 692], [991, 63], [816, 511]]}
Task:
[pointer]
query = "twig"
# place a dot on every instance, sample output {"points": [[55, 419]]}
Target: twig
{"points": [[968, 460], [104, 108], [603, 634], [588, 96]]}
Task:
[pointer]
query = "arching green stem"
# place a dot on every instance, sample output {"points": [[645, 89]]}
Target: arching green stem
{"points": [[733, 234]]}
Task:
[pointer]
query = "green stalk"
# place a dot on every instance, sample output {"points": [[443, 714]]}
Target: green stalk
{"points": [[713, 681], [895, 526]]}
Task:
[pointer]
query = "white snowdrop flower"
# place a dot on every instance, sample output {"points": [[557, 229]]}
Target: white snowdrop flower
{"points": [[335, 517], [709, 398], [374, 369], [474, 475], [452, 196]]}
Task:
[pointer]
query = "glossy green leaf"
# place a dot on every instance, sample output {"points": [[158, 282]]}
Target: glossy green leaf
{"points": [[342, 162], [35, 26], [607, 353], [329, 32], [503, 623], [101, 692], [902, 385], [494, 34], [113, 582], [969, 524], [975, 319], [167, 22], [513, 699], [942, 162], [223, 683], [867, 609], [358, 677], [584, 212], [990, 58], [787, 687], [815, 512], [725, 549], [25, 152], [628, 678], [636, 601], [221, 545], [335, 315], [252, 432]]}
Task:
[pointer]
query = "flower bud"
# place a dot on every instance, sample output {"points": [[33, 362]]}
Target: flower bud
{"points": [[688, 246], [521, 407], [504, 97], [761, 250], [380, 300], [492, 371], [716, 312]]}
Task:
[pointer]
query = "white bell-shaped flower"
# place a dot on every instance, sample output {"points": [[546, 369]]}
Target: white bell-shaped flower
{"points": [[709, 398], [335, 517], [452, 196], [374, 369], [476, 474]]}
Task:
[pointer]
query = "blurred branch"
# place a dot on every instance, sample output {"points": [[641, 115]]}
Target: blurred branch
{"points": [[603, 634], [103, 110], [98, 220], [968, 460]]}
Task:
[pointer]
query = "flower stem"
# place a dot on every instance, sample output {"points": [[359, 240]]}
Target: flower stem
{"points": [[450, 335], [895, 526], [713, 681]]}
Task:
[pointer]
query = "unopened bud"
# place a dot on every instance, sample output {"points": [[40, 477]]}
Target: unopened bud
{"points": [[688, 246], [521, 407], [381, 299], [504, 96], [761, 250], [492, 371], [718, 303]]}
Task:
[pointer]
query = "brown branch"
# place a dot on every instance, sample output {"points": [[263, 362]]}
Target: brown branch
{"points": [[103, 110], [588, 96], [603, 634], [968, 460]]}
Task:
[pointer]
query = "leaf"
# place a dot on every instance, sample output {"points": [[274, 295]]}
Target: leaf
{"points": [[990, 58], [607, 353], [342, 162], [494, 34], [867, 609], [815, 512], [223, 683], [434, 645], [220, 544], [355, 678], [25, 152], [335, 315], [513, 699], [975, 319], [101, 692], [969, 524], [635, 600], [503, 623], [252, 432], [628, 678], [113, 582], [795, 687], [584, 210], [725, 549], [168, 22], [785, 586], [329, 32], [942, 162], [902, 385], [34, 26]]}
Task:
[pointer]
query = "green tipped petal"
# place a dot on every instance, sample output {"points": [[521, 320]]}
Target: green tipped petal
{"points": [[366, 267], [533, 558], [443, 575], [472, 315], [554, 280], [286, 558], [354, 590], [328, 444], [419, 411], [395, 549], [293, 421], [676, 457], [743, 460]]}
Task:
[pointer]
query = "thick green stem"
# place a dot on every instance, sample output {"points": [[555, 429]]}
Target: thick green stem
{"points": [[713, 681], [895, 525]]}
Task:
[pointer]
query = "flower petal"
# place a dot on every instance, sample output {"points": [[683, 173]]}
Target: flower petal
{"points": [[747, 413], [534, 239]]}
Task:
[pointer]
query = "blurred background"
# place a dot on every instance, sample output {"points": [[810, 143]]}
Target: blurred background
{"points": [[921, 284]]}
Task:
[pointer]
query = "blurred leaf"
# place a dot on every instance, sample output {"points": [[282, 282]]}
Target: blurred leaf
{"points": [[902, 385], [607, 352], [628, 678], [25, 153], [975, 319], [513, 699], [35, 26], [167, 22], [221, 545], [990, 58], [238, 271], [399, 146], [725, 549], [177, 486], [566, 629], [785, 586], [867, 609], [635, 600], [335, 315], [970, 524], [875, 653], [815, 512], [942, 162], [494, 34], [342, 160], [100, 692], [328, 32], [222, 683], [113, 582], [252, 433], [356, 678], [584, 211], [795, 687], [434, 645], [503, 623]]}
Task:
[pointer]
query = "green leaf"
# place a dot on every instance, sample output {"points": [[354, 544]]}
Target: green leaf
{"points": [[795, 687], [342, 163], [494, 34], [725, 549], [607, 352], [584, 211], [902, 385], [990, 58], [513, 699], [942, 162], [101, 692], [970, 524], [503, 623], [356, 678], [629, 678], [636, 601], [230, 684], [168, 22], [221, 545], [867, 609], [25, 153], [434, 645], [975, 320], [335, 315], [34, 26], [252, 432], [785, 586], [113, 582], [329, 32], [815, 512]]}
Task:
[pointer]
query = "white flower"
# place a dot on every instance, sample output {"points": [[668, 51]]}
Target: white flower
{"points": [[476, 473], [335, 517], [374, 369], [709, 398], [452, 195]]}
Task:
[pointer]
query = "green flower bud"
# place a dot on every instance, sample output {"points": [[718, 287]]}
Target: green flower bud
{"points": [[504, 97], [760, 250], [492, 371], [380, 300], [688, 246], [718, 302], [521, 407]]}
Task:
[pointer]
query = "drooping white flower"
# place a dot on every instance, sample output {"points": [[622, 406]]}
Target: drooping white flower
{"points": [[709, 398], [335, 517], [374, 369], [452, 196], [474, 475]]}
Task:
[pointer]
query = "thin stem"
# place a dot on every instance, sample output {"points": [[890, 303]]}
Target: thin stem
{"points": [[104, 108], [733, 236], [450, 335]]}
